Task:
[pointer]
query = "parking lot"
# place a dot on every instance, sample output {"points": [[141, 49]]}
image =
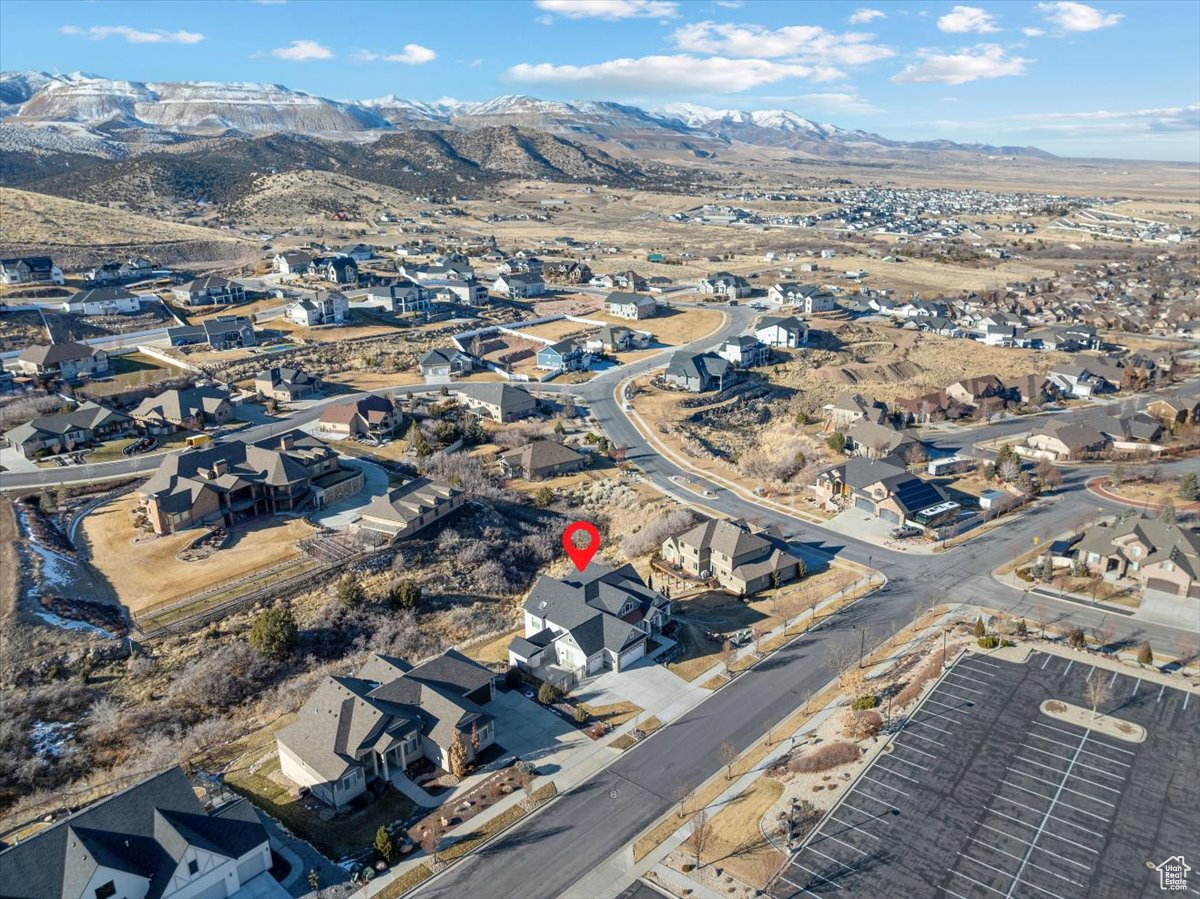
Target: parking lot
{"points": [[983, 795]]}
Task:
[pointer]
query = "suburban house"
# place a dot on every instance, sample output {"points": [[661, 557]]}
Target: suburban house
{"points": [[885, 491], [1161, 557], [227, 482], [405, 298], [519, 287], [152, 840], [699, 372], [589, 622], [405, 510], [500, 402], [785, 331], [615, 339], [1063, 441], [295, 263], [742, 562], [1034, 389], [444, 362], [225, 332], [371, 415], [808, 298], [439, 273], [1075, 379], [973, 391], [208, 291], [745, 351], [568, 272], [285, 384], [115, 300], [66, 431], [724, 284], [191, 409], [120, 272], [66, 360], [880, 441], [632, 306], [565, 355], [627, 280], [373, 726], [325, 308], [468, 293], [359, 252], [1178, 408], [540, 459], [851, 407], [335, 269], [30, 270]]}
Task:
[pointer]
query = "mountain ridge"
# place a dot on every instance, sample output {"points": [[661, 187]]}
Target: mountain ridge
{"points": [[94, 104]]}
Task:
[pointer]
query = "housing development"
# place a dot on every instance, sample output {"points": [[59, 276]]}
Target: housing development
{"points": [[308, 407]]}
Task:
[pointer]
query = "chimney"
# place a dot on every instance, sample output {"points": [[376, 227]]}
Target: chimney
{"points": [[285, 442], [220, 467]]}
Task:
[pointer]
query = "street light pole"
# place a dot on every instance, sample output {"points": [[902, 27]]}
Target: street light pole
{"points": [[862, 646], [944, 632]]}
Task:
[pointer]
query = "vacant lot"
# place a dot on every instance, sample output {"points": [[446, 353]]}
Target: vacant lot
{"points": [[147, 572], [737, 844], [19, 329], [558, 329], [674, 326], [133, 370]]}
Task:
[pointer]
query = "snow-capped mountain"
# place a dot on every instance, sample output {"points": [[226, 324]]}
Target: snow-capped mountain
{"points": [[174, 110]]}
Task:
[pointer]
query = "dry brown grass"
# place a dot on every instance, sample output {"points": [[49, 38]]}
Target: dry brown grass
{"points": [[613, 715], [737, 844], [10, 560], [147, 573], [492, 651]]}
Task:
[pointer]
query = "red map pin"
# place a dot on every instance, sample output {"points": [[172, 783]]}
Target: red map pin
{"points": [[581, 556]]}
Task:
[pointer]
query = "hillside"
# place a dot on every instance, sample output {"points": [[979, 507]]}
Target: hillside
{"points": [[79, 233]]}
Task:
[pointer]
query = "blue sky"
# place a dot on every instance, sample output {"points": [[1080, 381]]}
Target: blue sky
{"points": [[1106, 79]]}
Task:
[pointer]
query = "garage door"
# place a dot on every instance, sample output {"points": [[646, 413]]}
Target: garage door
{"points": [[889, 515], [633, 654], [1153, 583], [862, 502]]}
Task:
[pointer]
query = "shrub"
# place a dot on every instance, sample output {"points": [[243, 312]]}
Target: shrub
{"points": [[543, 497], [547, 694], [1077, 639], [922, 676], [837, 442], [1145, 655], [349, 591], [865, 702], [384, 845], [651, 535], [404, 595], [1024, 574], [273, 633], [823, 758], [989, 642], [579, 714], [980, 627]]}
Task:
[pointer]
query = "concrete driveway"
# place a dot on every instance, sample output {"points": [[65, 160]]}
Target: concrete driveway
{"points": [[530, 731], [646, 684], [342, 514]]}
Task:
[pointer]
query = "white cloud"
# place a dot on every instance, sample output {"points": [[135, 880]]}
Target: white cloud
{"points": [[1161, 118], [967, 19], [833, 101], [1032, 32], [302, 51], [810, 43], [1070, 16], [968, 64], [133, 35], [680, 74], [863, 16], [545, 20], [730, 4], [410, 55], [610, 9]]}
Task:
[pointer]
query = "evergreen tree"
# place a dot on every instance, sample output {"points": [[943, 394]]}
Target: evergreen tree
{"points": [[273, 633], [458, 756], [1168, 515], [349, 591], [980, 627], [1189, 487], [384, 845]]}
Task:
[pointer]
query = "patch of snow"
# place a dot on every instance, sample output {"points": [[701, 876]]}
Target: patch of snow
{"points": [[50, 739], [70, 624]]}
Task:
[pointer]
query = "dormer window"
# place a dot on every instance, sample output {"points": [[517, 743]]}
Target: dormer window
{"points": [[193, 867], [106, 890]]}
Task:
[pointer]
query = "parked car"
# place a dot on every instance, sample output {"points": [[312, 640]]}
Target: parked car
{"points": [[908, 531]]}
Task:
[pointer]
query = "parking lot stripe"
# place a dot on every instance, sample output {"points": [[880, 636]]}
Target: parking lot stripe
{"points": [[925, 722], [1161, 690], [836, 886], [1186, 697], [975, 660], [914, 749], [1053, 802], [1097, 743], [897, 773], [1067, 774], [885, 786], [973, 880], [1063, 804], [1135, 687], [797, 886], [952, 708], [1047, 662], [1063, 858], [925, 739], [1079, 764], [830, 836], [1068, 668], [1048, 833], [861, 830], [1004, 833], [870, 817], [1004, 873], [861, 792], [946, 687], [1075, 776], [1114, 678], [982, 683], [907, 762]]}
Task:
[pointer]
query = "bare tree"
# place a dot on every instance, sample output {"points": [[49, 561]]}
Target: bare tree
{"points": [[431, 838], [1104, 632], [727, 656], [1097, 691], [701, 835], [728, 754], [682, 792], [1040, 611]]}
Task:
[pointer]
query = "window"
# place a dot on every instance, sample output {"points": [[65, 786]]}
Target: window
{"points": [[193, 867], [106, 890]]}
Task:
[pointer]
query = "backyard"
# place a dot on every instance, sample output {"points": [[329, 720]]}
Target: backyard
{"points": [[145, 572]]}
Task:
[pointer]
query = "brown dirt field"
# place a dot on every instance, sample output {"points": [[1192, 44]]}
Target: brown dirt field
{"points": [[146, 573], [558, 329], [492, 651], [1144, 493], [673, 327]]}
